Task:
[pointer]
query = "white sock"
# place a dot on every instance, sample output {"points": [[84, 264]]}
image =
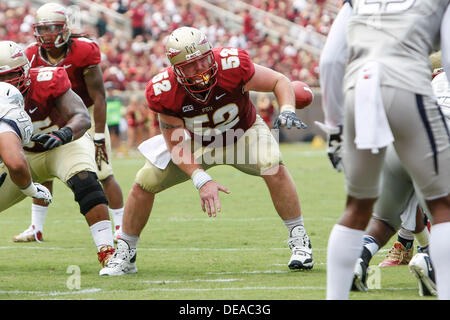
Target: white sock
{"points": [[292, 223], [344, 248], [440, 257], [371, 244], [423, 237], [130, 240], [38, 215], [117, 215], [102, 234]]}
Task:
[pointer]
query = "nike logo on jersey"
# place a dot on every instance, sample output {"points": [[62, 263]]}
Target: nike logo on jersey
{"points": [[32, 110], [218, 97], [187, 108], [67, 67]]}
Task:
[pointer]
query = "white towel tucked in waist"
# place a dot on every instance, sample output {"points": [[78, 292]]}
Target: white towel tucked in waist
{"points": [[371, 124], [156, 151]]}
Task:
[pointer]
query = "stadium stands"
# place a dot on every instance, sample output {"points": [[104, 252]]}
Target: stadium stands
{"points": [[129, 60]]}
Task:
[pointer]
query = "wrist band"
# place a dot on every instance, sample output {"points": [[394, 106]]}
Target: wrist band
{"points": [[200, 177], [99, 136], [287, 107], [31, 190]]}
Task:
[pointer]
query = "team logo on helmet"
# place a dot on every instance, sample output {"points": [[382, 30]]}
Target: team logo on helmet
{"points": [[203, 39], [172, 52], [17, 53]]}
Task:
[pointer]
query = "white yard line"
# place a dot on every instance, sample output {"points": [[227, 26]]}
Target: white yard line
{"points": [[97, 290]]}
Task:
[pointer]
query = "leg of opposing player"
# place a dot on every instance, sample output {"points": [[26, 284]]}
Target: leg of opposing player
{"points": [[39, 211]]}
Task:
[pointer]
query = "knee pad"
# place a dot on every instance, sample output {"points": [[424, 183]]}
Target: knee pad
{"points": [[87, 190]]}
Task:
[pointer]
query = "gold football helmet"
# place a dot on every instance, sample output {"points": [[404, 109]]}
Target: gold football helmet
{"points": [[51, 27], [192, 58], [14, 65]]}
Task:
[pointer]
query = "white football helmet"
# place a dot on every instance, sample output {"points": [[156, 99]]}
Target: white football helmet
{"points": [[14, 65], [12, 111], [51, 28], [191, 56]]}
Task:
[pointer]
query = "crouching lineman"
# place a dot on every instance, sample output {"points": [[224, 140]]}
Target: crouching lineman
{"points": [[205, 95], [15, 131], [59, 148]]}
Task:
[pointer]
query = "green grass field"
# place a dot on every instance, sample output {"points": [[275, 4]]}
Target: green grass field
{"points": [[184, 254]]}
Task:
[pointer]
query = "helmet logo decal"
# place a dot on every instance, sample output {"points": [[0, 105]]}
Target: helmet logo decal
{"points": [[203, 40], [16, 54], [60, 12], [193, 55], [173, 52]]}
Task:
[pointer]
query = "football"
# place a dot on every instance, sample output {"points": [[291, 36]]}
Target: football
{"points": [[303, 94]]}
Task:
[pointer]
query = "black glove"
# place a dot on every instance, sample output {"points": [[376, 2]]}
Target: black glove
{"points": [[54, 139], [2, 178], [287, 119], [334, 147]]}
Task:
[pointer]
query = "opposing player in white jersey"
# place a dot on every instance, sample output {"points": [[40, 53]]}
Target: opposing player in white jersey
{"points": [[15, 131], [388, 98]]}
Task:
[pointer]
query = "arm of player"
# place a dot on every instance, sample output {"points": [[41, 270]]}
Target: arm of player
{"points": [[72, 110], [333, 60], [268, 80], [93, 78], [445, 42], [13, 157], [11, 153], [173, 129]]}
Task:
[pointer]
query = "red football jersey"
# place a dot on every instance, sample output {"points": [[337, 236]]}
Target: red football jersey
{"points": [[228, 108], [46, 85], [82, 53]]}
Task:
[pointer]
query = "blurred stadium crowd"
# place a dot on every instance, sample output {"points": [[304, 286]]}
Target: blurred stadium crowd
{"points": [[130, 59]]}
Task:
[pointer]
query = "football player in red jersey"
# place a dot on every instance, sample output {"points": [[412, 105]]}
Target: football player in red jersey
{"points": [[80, 57], [60, 147], [205, 95]]}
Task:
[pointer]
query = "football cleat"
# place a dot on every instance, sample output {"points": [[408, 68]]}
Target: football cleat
{"points": [[104, 254], [421, 267], [300, 246], [398, 255], [360, 276], [29, 235], [123, 261]]}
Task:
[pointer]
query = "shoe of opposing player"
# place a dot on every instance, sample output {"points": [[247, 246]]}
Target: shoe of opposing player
{"points": [[123, 261], [29, 235], [360, 276], [398, 255], [300, 246], [421, 267]]}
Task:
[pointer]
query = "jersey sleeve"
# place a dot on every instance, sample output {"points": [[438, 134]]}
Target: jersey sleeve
{"points": [[162, 95], [87, 52], [54, 82], [235, 66]]}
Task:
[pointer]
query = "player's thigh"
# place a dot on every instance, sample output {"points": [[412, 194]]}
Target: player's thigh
{"points": [[422, 141], [362, 168], [154, 180], [396, 192], [9, 191], [67, 160], [256, 152]]}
